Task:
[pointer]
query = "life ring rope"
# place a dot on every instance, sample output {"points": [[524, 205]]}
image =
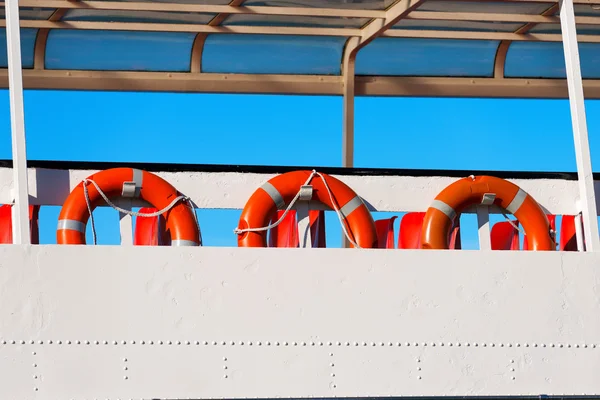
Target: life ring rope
{"points": [[341, 214], [121, 210]]}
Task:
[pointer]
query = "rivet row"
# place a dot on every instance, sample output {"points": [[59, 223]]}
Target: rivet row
{"points": [[286, 343]]}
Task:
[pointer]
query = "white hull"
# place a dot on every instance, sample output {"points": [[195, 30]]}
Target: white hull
{"points": [[303, 323]]}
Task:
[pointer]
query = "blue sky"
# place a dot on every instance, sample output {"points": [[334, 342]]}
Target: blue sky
{"points": [[531, 135]]}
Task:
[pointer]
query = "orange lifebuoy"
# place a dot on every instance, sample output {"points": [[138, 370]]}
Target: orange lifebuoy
{"points": [[280, 190], [181, 223], [474, 190]]}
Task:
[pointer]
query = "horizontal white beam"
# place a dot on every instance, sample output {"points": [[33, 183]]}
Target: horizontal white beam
{"points": [[288, 323], [232, 190]]}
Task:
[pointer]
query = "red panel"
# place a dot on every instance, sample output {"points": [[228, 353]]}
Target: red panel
{"points": [[455, 243], [568, 236], [385, 232], [409, 235], [505, 236], [286, 233], [149, 231], [6, 224], [551, 220], [317, 228]]}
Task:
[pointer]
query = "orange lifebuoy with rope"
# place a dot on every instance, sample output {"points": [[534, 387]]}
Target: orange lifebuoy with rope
{"points": [[285, 189], [486, 190], [181, 224]]}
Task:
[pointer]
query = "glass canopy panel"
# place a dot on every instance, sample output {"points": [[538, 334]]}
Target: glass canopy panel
{"points": [[345, 4], [495, 7], [587, 10], [286, 20], [119, 50], [201, 2], [30, 13], [158, 17], [27, 46], [427, 57], [273, 54], [555, 28], [546, 60], [457, 25]]}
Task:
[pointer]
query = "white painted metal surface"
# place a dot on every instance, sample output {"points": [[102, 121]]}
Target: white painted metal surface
{"points": [[20, 211], [232, 190], [106, 322], [580, 132]]}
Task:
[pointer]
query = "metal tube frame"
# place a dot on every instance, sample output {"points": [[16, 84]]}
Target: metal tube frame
{"points": [[20, 214], [578, 119]]}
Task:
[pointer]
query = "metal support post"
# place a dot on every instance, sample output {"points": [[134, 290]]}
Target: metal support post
{"points": [[21, 229], [578, 118], [348, 68]]}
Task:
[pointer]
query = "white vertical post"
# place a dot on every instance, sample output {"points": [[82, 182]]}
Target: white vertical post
{"points": [[304, 234], [578, 119], [483, 222], [126, 223], [21, 231]]}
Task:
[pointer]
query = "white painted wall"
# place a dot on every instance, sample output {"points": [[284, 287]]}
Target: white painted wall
{"points": [[232, 190], [295, 322]]}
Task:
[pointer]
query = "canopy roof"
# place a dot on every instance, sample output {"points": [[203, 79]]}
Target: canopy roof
{"points": [[406, 47]]}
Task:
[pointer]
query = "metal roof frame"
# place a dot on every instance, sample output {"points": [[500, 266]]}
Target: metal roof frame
{"points": [[381, 23]]}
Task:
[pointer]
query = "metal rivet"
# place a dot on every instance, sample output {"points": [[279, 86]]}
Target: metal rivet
{"points": [[32, 342], [512, 377], [450, 344], [356, 343], [416, 344], [225, 367], [526, 344], [179, 343], [124, 342], [407, 344], [492, 345], [419, 368], [34, 353], [512, 361], [232, 343], [484, 344], [49, 342], [35, 377], [303, 343], [125, 360], [418, 377], [105, 342], [197, 342], [373, 344], [313, 343], [36, 389], [224, 358], [332, 364], [34, 365], [126, 377], [225, 376], [333, 374]]}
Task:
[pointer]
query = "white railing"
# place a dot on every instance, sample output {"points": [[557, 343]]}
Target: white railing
{"points": [[231, 190]]}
